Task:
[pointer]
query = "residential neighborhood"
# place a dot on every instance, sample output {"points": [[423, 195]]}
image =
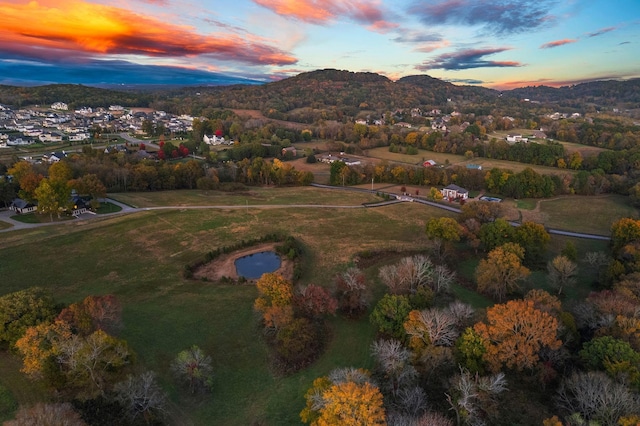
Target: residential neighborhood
{"points": [[57, 124]]}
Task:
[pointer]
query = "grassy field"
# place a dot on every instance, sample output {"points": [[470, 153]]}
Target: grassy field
{"points": [[382, 153], [585, 213], [139, 258], [584, 150], [251, 196]]}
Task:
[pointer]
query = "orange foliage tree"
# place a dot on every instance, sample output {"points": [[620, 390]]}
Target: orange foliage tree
{"points": [[499, 274], [514, 334], [275, 300]]}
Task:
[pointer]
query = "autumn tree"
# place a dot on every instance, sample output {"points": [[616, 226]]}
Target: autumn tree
{"points": [[193, 367], [482, 211], [275, 300], [443, 232], [561, 273], [533, 238], [53, 197], [28, 179], [40, 346], [499, 274], [90, 185], [94, 313], [514, 333], [22, 309], [314, 302], [624, 231], [344, 397]]}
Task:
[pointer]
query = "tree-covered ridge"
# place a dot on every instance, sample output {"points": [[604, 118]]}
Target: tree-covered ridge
{"points": [[333, 92], [76, 95]]}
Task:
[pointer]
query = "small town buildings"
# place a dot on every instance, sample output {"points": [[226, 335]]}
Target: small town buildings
{"points": [[60, 106], [455, 192]]}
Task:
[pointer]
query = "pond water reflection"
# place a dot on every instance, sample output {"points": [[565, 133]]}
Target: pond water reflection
{"points": [[254, 265]]}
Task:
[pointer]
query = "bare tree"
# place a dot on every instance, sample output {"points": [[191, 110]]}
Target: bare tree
{"points": [[462, 314], [394, 361], [442, 279], [141, 396], [413, 272], [47, 414], [472, 397], [595, 396], [562, 273], [433, 326]]}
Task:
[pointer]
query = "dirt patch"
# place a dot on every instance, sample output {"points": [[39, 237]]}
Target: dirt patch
{"points": [[224, 266]]}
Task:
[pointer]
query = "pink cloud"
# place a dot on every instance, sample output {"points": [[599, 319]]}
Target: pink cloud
{"points": [[558, 43], [321, 12]]}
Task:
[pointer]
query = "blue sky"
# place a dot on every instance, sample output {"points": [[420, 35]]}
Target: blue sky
{"points": [[501, 44]]}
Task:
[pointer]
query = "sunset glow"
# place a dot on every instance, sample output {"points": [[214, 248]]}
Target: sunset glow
{"points": [[499, 44]]}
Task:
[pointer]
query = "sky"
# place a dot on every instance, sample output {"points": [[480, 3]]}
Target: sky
{"points": [[501, 44]]}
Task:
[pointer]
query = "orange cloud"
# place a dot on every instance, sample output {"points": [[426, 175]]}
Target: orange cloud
{"points": [[324, 11], [85, 29], [558, 43]]}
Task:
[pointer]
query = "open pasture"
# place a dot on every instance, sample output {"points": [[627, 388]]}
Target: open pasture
{"points": [[139, 257]]}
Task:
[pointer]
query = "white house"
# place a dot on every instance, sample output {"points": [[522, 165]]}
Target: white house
{"points": [[516, 138], [454, 192], [215, 140], [19, 205]]}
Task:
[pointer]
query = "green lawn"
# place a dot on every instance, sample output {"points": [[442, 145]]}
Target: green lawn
{"points": [[590, 214], [5, 225], [250, 196]]}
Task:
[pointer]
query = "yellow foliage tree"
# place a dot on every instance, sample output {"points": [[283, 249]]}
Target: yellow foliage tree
{"points": [[351, 400], [499, 274], [514, 334], [275, 301]]}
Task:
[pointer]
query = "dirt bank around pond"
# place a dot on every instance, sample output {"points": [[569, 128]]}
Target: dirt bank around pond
{"points": [[224, 266]]}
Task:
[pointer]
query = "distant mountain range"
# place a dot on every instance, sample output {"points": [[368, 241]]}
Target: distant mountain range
{"points": [[323, 89]]}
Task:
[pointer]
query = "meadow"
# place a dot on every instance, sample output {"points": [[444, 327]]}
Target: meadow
{"points": [[139, 257], [382, 153]]}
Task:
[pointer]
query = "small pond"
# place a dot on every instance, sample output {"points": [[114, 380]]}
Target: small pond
{"points": [[254, 265]]}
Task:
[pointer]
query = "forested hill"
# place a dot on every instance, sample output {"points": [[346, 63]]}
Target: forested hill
{"points": [[75, 95], [611, 92], [331, 95]]}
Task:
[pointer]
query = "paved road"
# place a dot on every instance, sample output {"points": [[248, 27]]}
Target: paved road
{"points": [[6, 215]]}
